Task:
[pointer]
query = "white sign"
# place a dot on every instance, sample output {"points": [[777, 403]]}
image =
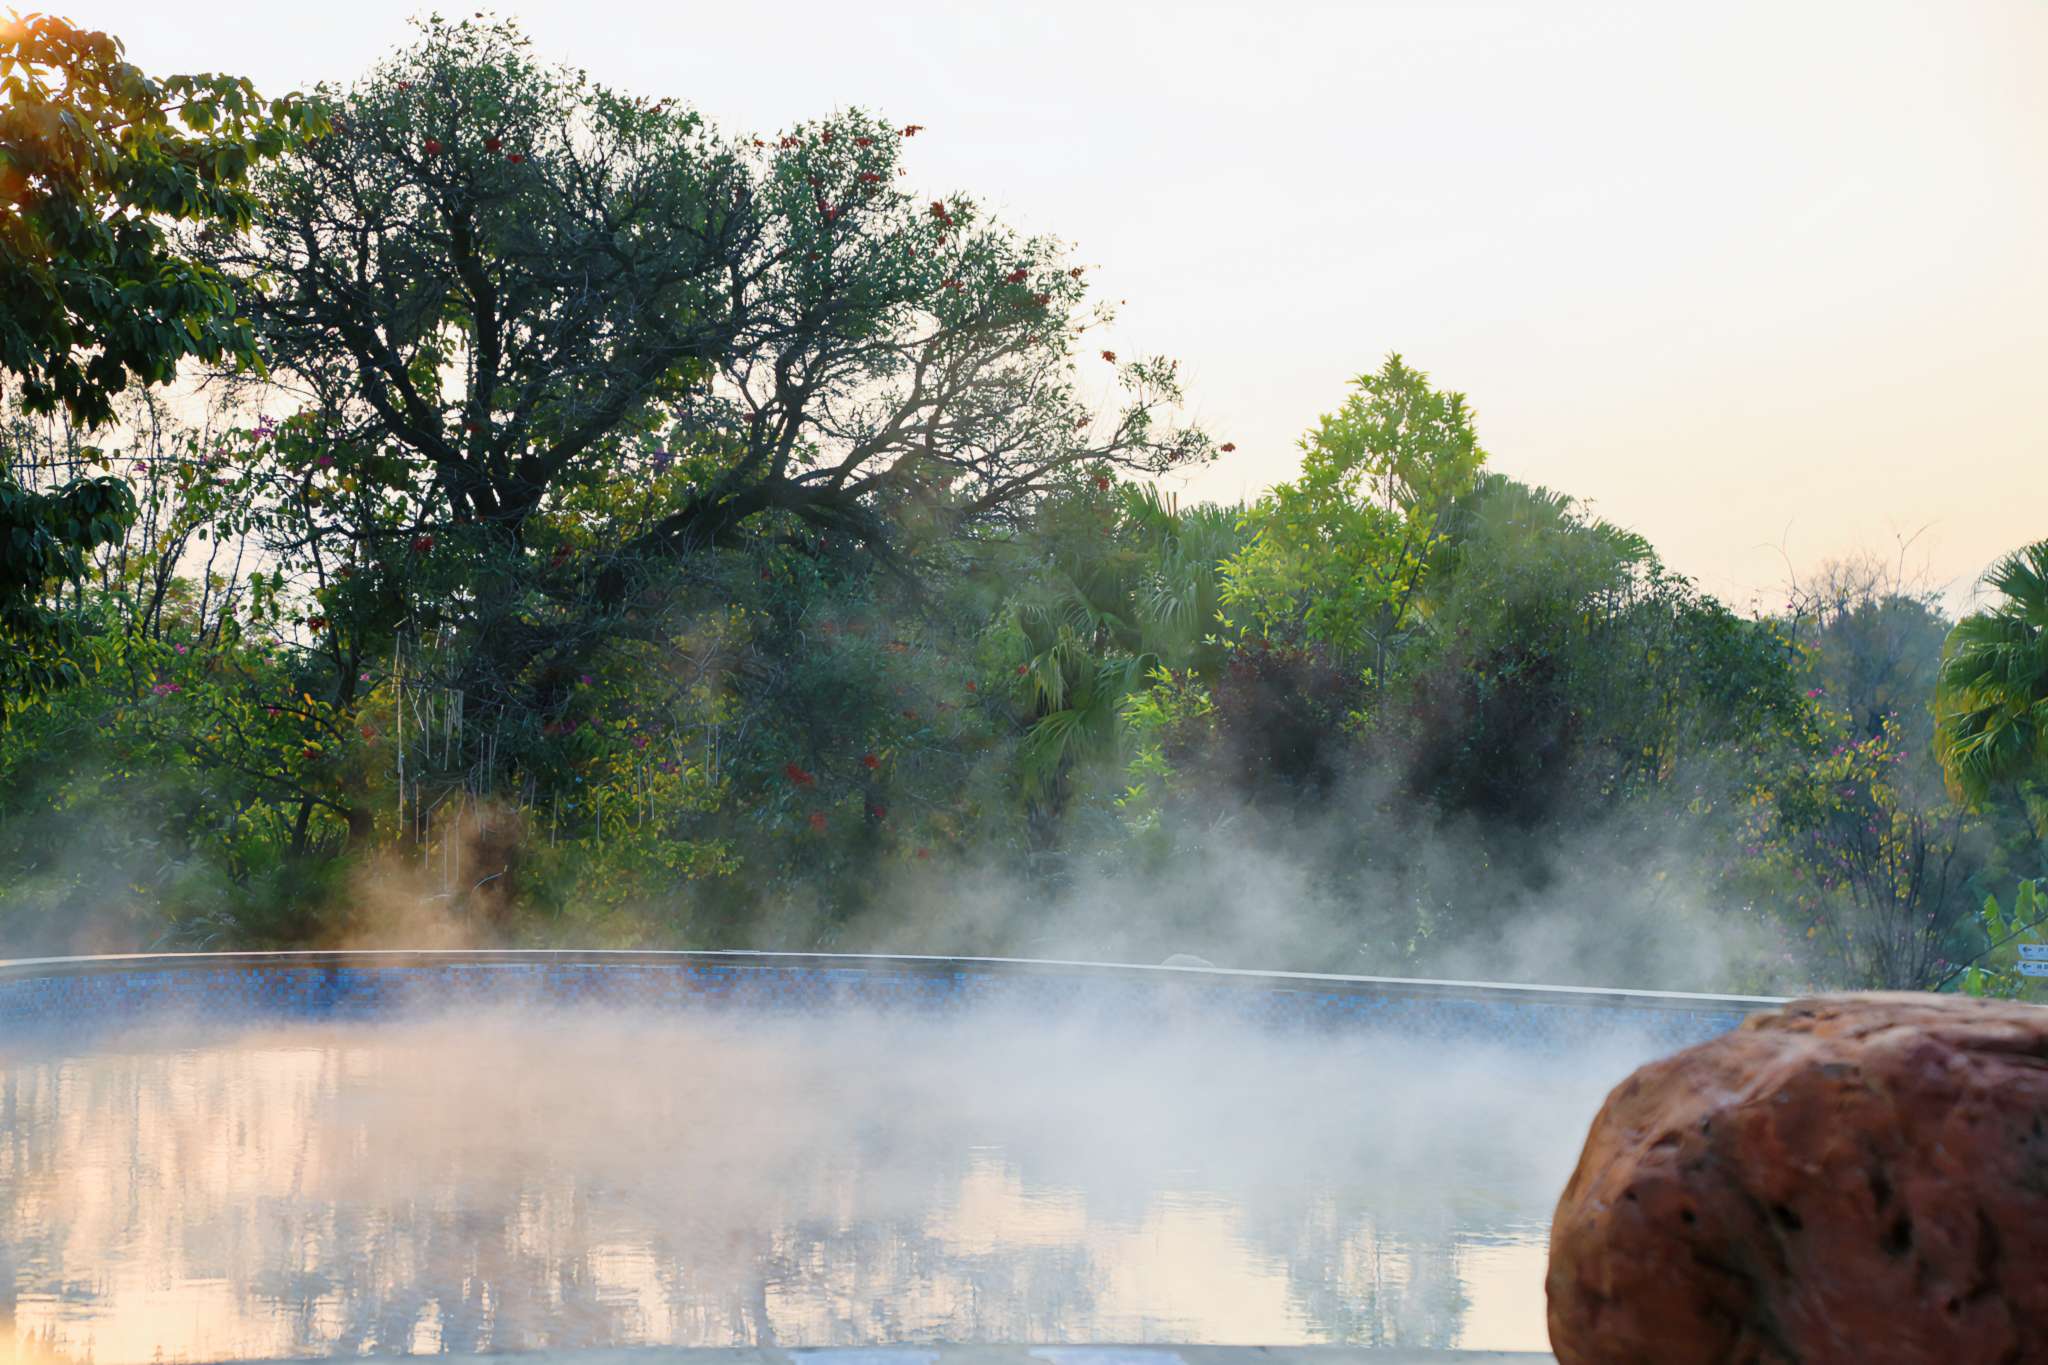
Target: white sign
{"points": [[2034, 969], [2034, 952]]}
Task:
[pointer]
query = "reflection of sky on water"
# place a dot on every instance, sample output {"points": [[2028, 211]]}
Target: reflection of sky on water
{"points": [[578, 1180]]}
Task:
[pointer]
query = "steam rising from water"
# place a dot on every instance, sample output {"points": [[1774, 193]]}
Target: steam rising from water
{"points": [[545, 1177]]}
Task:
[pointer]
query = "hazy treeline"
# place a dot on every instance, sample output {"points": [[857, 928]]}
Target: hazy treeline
{"points": [[646, 535]]}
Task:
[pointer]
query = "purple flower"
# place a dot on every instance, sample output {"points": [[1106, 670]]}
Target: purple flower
{"points": [[266, 427], [586, 679]]}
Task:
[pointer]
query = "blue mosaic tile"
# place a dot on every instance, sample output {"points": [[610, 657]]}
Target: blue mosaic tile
{"points": [[72, 996]]}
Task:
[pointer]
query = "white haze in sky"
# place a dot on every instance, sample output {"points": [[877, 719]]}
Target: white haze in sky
{"points": [[1763, 281]]}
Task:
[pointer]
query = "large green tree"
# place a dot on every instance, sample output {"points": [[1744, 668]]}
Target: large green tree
{"points": [[1338, 555], [560, 341]]}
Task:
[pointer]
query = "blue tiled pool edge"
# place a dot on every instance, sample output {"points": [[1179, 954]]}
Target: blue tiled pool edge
{"points": [[76, 993]]}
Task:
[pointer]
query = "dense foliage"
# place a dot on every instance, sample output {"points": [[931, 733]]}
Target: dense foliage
{"points": [[645, 535], [97, 163]]}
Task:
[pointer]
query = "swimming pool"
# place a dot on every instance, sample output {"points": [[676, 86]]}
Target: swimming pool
{"points": [[258, 1156]]}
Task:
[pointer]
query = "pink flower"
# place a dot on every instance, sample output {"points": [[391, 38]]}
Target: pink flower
{"points": [[184, 649]]}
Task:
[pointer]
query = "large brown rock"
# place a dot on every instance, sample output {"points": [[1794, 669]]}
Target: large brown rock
{"points": [[1858, 1178]]}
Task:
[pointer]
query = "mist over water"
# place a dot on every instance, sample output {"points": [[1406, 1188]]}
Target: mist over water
{"points": [[549, 1177]]}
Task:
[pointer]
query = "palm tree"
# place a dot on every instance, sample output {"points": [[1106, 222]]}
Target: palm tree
{"points": [[1103, 615], [1991, 696]]}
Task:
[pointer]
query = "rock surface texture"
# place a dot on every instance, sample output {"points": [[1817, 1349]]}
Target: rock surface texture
{"points": [[1857, 1178]]}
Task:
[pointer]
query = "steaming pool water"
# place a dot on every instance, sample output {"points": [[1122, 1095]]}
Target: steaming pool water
{"points": [[514, 1169]]}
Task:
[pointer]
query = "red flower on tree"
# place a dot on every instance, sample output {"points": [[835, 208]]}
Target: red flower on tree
{"points": [[1019, 275], [492, 144], [422, 544], [1228, 446], [938, 211], [1102, 483], [863, 142], [818, 821], [515, 158], [870, 762], [878, 813], [799, 776], [1110, 356], [432, 146], [870, 178], [913, 129]]}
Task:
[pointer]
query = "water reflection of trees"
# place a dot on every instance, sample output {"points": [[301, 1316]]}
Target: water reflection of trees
{"points": [[342, 1220]]}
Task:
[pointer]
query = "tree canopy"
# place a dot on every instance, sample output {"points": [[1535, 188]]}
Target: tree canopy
{"points": [[569, 338]]}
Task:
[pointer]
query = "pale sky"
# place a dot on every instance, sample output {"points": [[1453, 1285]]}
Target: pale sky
{"points": [[1763, 281]]}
